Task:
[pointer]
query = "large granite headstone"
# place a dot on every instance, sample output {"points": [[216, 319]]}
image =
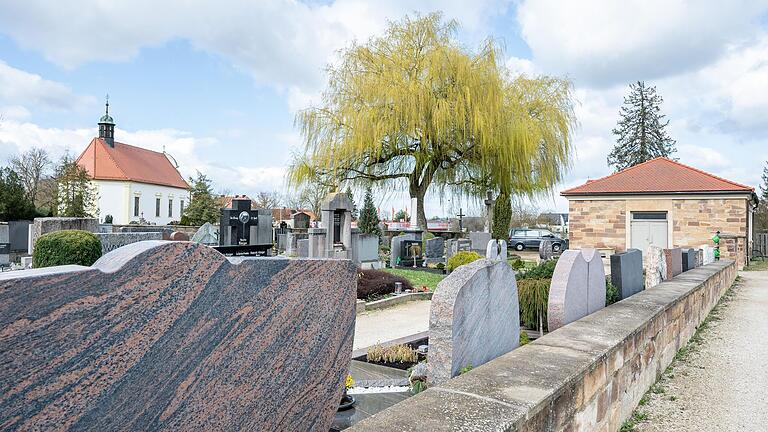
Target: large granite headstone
{"points": [[655, 266], [459, 245], [112, 241], [396, 247], [174, 336], [164, 230], [689, 259], [45, 225], [577, 288], [367, 248], [207, 235], [474, 318], [496, 250], [479, 241], [674, 262], [627, 272]]}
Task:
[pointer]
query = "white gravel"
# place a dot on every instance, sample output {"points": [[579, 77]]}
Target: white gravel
{"points": [[722, 385]]}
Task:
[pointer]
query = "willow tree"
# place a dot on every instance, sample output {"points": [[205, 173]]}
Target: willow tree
{"points": [[412, 109]]}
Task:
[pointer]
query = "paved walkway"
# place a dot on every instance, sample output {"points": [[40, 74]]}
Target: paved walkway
{"points": [[391, 323], [723, 384]]}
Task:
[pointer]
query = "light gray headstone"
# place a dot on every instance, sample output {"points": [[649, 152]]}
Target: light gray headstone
{"points": [[699, 257], [474, 318], [368, 248], [45, 225], [496, 250], [302, 248], [206, 234], [545, 250], [577, 289], [627, 272], [479, 240], [708, 254], [655, 266], [112, 241]]}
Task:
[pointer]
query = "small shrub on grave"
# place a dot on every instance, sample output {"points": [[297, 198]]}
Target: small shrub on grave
{"points": [[611, 292], [378, 283], [439, 266], [533, 295], [395, 354], [108, 219], [517, 264], [524, 339], [461, 258], [544, 270], [184, 220], [66, 247]]}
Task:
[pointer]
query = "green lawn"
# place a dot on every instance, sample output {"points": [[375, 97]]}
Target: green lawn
{"points": [[418, 278]]}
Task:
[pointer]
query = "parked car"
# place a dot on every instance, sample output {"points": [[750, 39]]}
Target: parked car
{"points": [[530, 238]]}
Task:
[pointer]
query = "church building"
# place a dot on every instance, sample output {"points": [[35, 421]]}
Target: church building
{"points": [[134, 184]]}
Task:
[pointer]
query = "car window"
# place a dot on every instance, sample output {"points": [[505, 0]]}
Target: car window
{"points": [[546, 233], [532, 233], [518, 233]]}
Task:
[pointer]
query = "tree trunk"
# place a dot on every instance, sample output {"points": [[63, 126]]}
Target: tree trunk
{"points": [[419, 192]]}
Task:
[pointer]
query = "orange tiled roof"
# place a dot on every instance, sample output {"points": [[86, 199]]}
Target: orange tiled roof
{"points": [[660, 175], [126, 162]]}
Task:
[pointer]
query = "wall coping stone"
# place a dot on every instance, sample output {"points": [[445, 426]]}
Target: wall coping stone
{"points": [[513, 391]]}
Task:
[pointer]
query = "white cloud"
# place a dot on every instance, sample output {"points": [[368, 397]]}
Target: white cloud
{"points": [[21, 89], [604, 42]]}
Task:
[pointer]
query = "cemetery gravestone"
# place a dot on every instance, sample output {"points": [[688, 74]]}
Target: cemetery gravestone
{"points": [[5, 244], [42, 226], [655, 266], [474, 318], [689, 259], [577, 288], [302, 248], [434, 249], [367, 248], [496, 250], [179, 236], [699, 257], [708, 254], [112, 241], [207, 235], [396, 248], [195, 349], [674, 262], [545, 250], [627, 272], [479, 241]]}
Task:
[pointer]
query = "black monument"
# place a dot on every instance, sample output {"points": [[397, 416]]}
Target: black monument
{"points": [[243, 229]]}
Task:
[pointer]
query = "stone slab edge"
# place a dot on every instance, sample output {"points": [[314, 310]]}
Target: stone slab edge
{"points": [[395, 300]]}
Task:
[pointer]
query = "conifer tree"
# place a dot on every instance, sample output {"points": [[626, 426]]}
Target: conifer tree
{"points": [[203, 206], [640, 132], [76, 195], [502, 216], [369, 219], [352, 200]]}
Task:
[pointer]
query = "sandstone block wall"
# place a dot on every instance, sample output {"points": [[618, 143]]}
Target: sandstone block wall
{"points": [[586, 376]]}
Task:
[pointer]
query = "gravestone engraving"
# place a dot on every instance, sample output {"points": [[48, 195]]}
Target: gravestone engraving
{"points": [[496, 250], [474, 318], [112, 241], [180, 338], [674, 262], [655, 266], [699, 257], [627, 272], [577, 288], [689, 259], [479, 241], [207, 235], [708, 254]]}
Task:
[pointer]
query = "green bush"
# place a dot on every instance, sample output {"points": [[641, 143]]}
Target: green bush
{"points": [[611, 292], [461, 258], [544, 270], [66, 247], [517, 264], [533, 295], [524, 339]]}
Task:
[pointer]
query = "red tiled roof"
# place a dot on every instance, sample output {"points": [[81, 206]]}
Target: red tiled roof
{"points": [[660, 175], [126, 162]]}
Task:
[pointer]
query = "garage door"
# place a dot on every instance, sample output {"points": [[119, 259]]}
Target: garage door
{"points": [[648, 228]]}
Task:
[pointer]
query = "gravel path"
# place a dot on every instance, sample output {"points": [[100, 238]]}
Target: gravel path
{"points": [[721, 383]]}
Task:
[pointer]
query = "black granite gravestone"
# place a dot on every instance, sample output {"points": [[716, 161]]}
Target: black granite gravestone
{"points": [[689, 259], [627, 272]]}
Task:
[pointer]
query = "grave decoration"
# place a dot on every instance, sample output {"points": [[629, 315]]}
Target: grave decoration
{"points": [[577, 288], [411, 254], [655, 266], [244, 230], [627, 272], [197, 347], [474, 318]]}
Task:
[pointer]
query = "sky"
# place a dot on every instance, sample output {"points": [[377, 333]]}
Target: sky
{"points": [[217, 84]]}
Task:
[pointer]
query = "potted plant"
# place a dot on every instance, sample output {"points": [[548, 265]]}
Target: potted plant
{"points": [[347, 401]]}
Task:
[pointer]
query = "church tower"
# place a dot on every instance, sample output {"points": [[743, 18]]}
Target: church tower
{"points": [[107, 127]]}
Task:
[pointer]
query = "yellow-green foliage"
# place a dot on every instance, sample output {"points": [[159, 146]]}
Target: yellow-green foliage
{"points": [[66, 247], [415, 106], [461, 258], [392, 354], [533, 295], [524, 339]]}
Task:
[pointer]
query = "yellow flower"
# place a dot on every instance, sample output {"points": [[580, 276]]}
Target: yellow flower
{"points": [[350, 382]]}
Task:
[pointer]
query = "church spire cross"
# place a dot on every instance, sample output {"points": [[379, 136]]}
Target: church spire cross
{"points": [[107, 104]]}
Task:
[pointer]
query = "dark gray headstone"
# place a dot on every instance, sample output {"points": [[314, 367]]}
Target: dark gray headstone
{"points": [[435, 247], [689, 259], [627, 272]]}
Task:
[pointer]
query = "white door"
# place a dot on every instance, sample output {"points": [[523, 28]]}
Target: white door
{"points": [[648, 228]]}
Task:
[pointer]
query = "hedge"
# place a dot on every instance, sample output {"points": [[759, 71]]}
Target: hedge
{"points": [[66, 247], [377, 283], [461, 258]]}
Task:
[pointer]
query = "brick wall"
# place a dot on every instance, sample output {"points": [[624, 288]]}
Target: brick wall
{"points": [[603, 223]]}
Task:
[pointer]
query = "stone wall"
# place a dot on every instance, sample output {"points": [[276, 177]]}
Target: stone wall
{"points": [[586, 376], [112, 241], [602, 224], [50, 224]]}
